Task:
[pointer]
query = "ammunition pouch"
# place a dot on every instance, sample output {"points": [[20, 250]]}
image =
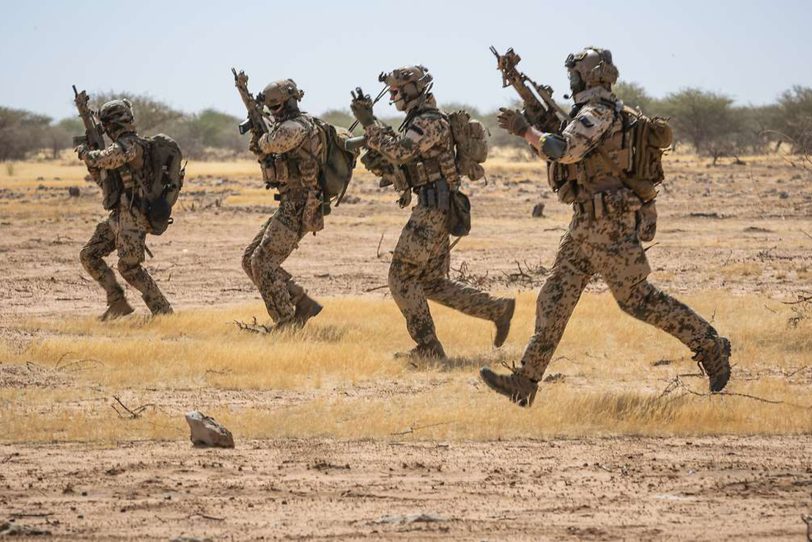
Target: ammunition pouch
{"points": [[435, 195], [562, 179], [605, 204], [111, 191], [421, 172], [646, 220]]}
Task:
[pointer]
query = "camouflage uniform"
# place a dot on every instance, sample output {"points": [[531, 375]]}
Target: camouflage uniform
{"points": [[290, 150], [126, 228], [420, 263], [603, 238]]}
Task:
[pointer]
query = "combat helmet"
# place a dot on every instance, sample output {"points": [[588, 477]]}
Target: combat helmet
{"points": [[117, 117], [408, 86], [591, 67], [281, 97]]}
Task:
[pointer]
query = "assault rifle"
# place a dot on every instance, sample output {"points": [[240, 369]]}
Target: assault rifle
{"points": [[109, 181], [375, 162], [254, 123], [539, 106], [256, 120]]}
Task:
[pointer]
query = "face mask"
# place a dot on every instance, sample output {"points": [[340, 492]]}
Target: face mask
{"points": [[576, 84]]}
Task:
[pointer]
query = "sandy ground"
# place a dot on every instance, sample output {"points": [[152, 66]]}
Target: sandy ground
{"points": [[591, 489], [732, 229]]}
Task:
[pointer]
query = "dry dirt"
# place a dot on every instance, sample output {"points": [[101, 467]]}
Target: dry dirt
{"points": [[730, 229], [590, 489]]}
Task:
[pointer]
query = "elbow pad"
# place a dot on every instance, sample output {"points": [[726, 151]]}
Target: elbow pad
{"points": [[553, 146]]}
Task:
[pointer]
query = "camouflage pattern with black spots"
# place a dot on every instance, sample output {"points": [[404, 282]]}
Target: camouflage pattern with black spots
{"points": [[608, 246]]}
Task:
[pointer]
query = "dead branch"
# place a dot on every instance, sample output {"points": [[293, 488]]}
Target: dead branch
{"points": [[254, 326], [678, 384], [801, 299], [134, 413], [803, 232], [381, 287], [378, 250], [418, 428]]}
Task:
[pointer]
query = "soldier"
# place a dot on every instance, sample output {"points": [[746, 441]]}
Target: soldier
{"points": [[125, 230], [424, 152], [603, 235], [289, 154]]}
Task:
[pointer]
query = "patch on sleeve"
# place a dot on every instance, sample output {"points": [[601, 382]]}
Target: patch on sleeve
{"points": [[586, 121]]}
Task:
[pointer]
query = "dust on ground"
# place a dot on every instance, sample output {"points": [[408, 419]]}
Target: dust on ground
{"points": [[588, 489]]}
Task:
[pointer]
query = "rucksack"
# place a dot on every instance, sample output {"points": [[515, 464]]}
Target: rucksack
{"points": [[648, 138], [164, 178], [471, 142], [336, 163]]}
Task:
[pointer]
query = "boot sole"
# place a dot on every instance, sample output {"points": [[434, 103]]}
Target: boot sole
{"points": [[497, 340]]}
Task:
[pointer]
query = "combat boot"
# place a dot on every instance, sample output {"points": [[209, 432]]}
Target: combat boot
{"points": [[306, 308], [430, 350], [157, 304], [715, 361], [503, 323], [518, 388], [116, 309]]}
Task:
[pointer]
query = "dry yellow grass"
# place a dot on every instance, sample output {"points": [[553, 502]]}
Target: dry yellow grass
{"points": [[337, 377]]}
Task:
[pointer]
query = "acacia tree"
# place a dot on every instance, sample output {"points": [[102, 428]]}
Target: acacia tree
{"points": [[706, 119], [794, 118]]}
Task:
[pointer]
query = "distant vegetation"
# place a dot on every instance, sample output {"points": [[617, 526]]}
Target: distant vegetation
{"points": [[706, 121]]}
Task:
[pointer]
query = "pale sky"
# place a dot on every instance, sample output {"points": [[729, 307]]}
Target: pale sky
{"points": [[181, 52]]}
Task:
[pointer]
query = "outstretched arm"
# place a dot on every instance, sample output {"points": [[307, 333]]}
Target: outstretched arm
{"points": [[422, 135]]}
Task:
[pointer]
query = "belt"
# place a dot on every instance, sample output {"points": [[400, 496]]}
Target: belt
{"points": [[606, 203]]}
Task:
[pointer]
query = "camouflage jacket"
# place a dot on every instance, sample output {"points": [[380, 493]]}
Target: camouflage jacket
{"points": [[425, 146], [126, 155], [294, 146], [594, 135]]}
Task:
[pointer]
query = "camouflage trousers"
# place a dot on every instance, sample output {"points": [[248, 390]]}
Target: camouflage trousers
{"points": [[608, 246], [124, 231], [262, 260], [419, 271]]}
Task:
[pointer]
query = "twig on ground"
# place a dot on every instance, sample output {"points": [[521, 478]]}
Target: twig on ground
{"points": [[677, 384], [9, 457], [134, 413], [253, 326], [378, 251], [418, 428], [381, 287]]}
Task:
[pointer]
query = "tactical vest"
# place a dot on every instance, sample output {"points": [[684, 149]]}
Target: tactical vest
{"points": [[436, 163], [299, 168], [133, 174], [628, 155]]}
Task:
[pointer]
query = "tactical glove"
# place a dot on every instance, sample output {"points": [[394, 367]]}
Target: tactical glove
{"points": [[361, 106], [513, 121], [81, 150]]}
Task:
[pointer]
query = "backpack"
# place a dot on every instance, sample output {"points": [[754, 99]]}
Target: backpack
{"points": [[471, 142], [648, 138], [336, 163], [164, 175]]}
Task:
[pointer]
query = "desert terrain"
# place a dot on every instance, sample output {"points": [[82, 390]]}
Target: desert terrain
{"points": [[336, 439]]}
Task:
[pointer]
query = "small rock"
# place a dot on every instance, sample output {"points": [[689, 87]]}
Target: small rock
{"points": [[73, 191], [207, 432], [538, 210]]}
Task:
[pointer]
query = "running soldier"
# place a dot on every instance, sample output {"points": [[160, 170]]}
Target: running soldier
{"points": [[289, 153], [125, 229], [589, 166], [421, 161]]}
